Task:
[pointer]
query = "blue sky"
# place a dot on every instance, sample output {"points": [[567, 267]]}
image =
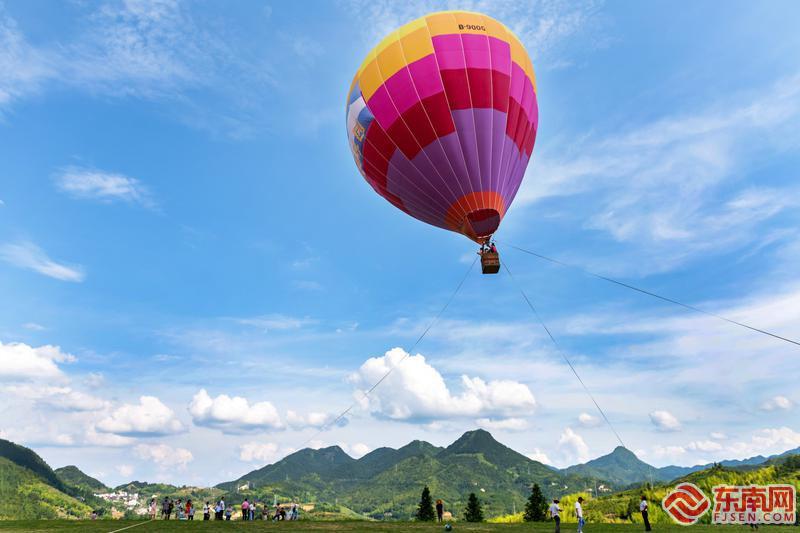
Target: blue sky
{"points": [[195, 278]]}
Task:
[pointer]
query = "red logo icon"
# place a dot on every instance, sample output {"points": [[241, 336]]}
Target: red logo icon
{"points": [[686, 504]]}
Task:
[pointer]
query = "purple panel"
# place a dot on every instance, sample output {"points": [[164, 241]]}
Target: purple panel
{"points": [[483, 138], [465, 128], [420, 184]]}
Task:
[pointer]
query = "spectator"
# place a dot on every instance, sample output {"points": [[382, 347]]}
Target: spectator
{"points": [[245, 509], [206, 511], [439, 510]]}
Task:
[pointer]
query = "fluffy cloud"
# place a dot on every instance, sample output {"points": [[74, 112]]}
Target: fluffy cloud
{"points": [[539, 455], [765, 442], [415, 391], [277, 322], [148, 418], [20, 361], [507, 424], [60, 398], [27, 255], [124, 470], [573, 447], [259, 452], [665, 421], [588, 421], [163, 455], [233, 414], [312, 420], [704, 446], [104, 186], [777, 403]]}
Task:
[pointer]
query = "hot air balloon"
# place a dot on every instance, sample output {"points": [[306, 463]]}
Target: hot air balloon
{"points": [[442, 118]]}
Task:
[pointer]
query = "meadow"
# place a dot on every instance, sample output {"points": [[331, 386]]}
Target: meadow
{"points": [[138, 526]]}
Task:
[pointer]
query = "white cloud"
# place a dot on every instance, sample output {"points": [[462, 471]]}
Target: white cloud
{"points": [[669, 452], [311, 420], [777, 403], [164, 456], [26, 254], [260, 452], [277, 322], [104, 186], [416, 391], [664, 189], [33, 326], [150, 417], [704, 446], [588, 421], [20, 361], [233, 414], [665, 421], [718, 435], [124, 470], [539, 455], [766, 442], [506, 424], [357, 450], [59, 398], [573, 447], [105, 440]]}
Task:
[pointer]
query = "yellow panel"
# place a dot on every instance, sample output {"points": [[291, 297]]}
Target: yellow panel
{"points": [[389, 39], [411, 27], [417, 45], [442, 23], [495, 29], [470, 23], [391, 59], [370, 79]]}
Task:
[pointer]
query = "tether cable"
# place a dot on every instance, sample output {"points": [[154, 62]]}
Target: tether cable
{"points": [[563, 354], [654, 295], [393, 367]]}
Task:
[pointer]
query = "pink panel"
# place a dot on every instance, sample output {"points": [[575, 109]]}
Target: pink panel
{"points": [[426, 76]]}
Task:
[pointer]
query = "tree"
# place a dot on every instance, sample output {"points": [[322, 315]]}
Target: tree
{"points": [[536, 506], [473, 512], [425, 509]]}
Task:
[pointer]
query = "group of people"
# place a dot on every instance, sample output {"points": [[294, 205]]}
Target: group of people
{"points": [[181, 510], [555, 514], [250, 510]]}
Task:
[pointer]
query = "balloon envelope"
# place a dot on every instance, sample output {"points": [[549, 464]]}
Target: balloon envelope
{"points": [[442, 118]]}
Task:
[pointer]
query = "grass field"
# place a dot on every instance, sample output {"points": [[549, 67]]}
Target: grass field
{"points": [[107, 526]]}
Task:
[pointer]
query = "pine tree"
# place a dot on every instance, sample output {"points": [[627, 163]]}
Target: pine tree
{"points": [[536, 506], [473, 512], [425, 509]]}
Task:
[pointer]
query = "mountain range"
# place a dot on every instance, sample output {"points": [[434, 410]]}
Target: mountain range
{"points": [[384, 482]]}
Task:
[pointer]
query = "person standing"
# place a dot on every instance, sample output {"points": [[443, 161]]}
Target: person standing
{"points": [[165, 509], [554, 514], [439, 510], [579, 513], [189, 509], [221, 507], [643, 510], [245, 509], [152, 509], [206, 512]]}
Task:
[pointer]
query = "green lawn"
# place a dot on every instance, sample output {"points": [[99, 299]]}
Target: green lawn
{"points": [[106, 526]]}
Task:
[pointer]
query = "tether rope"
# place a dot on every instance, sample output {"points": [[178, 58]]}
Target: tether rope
{"points": [[393, 367], [563, 354], [654, 295]]}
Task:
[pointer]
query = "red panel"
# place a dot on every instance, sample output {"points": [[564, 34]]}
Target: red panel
{"points": [[378, 150], [403, 138], [480, 87], [439, 113], [423, 131], [456, 88], [500, 86]]}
